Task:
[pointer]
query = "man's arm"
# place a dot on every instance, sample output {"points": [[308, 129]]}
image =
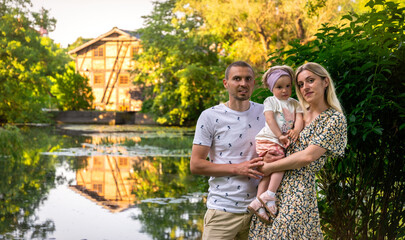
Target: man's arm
{"points": [[199, 165]]}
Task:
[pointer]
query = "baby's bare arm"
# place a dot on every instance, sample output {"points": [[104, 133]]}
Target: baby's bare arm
{"points": [[271, 121], [298, 126]]}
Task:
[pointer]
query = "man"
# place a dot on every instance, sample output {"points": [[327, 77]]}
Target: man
{"points": [[226, 133]]}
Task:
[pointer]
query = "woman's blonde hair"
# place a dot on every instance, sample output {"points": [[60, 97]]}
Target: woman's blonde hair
{"points": [[330, 93], [285, 68]]}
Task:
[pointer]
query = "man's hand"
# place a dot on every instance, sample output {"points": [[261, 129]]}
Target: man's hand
{"points": [[249, 168]]}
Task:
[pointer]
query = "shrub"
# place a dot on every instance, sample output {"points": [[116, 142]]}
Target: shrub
{"points": [[362, 195]]}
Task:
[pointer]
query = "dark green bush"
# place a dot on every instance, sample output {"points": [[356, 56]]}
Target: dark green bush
{"points": [[362, 195]]}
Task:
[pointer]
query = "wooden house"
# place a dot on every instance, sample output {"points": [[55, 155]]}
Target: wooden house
{"points": [[107, 61]]}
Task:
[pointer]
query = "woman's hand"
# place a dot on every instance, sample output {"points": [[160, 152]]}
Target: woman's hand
{"points": [[266, 169], [269, 157]]}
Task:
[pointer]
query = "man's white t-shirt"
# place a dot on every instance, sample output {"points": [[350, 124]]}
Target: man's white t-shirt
{"points": [[231, 137]]}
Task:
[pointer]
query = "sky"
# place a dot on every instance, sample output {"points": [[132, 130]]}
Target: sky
{"points": [[92, 18]]}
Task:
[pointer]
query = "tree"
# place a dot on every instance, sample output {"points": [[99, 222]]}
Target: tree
{"points": [[28, 63], [71, 90], [44, 21], [15, 7], [178, 70], [79, 41], [250, 30], [23, 71], [363, 194]]}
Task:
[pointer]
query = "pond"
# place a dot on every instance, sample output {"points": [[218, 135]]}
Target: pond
{"points": [[103, 182]]}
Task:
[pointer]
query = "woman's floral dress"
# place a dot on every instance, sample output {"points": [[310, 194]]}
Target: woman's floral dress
{"points": [[298, 216]]}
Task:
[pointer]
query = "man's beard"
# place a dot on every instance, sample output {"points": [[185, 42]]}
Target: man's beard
{"points": [[243, 97]]}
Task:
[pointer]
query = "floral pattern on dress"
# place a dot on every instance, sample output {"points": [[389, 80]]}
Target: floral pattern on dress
{"points": [[298, 216]]}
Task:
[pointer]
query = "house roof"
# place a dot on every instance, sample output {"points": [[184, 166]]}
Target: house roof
{"points": [[130, 34]]}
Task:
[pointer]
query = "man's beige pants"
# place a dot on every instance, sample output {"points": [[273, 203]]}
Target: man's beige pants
{"points": [[227, 226]]}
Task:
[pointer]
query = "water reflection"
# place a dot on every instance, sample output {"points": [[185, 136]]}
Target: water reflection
{"points": [[173, 218], [25, 180], [107, 180], [142, 175]]}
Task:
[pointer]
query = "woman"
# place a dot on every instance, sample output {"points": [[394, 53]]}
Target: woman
{"points": [[324, 135]]}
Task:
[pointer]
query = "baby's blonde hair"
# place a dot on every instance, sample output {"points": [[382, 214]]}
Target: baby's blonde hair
{"points": [[285, 68]]}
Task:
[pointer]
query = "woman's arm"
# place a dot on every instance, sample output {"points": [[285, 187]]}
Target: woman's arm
{"points": [[294, 161], [200, 165]]}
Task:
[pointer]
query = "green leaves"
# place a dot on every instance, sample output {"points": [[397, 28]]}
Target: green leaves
{"points": [[25, 178], [27, 62], [365, 58], [71, 90], [33, 70], [253, 29], [178, 69]]}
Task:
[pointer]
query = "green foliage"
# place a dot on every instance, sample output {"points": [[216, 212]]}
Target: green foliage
{"points": [[178, 70], [25, 178], [25, 187], [363, 194], [44, 20], [260, 94], [72, 90], [161, 177], [79, 41], [20, 70], [10, 147], [250, 30], [172, 221], [26, 61], [14, 7], [168, 178], [31, 65]]}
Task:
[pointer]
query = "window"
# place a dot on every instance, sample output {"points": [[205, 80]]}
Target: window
{"points": [[124, 79], [123, 161], [98, 161], [135, 50], [98, 79], [99, 51], [98, 188]]}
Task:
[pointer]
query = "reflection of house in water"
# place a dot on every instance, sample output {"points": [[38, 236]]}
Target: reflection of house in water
{"points": [[116, 138], [107, 180], [107, 61]]}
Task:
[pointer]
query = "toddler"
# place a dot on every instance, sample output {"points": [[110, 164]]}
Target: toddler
{"points": [[284, 121]]}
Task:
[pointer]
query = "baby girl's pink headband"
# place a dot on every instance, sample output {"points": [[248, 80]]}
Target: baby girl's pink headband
{"points": [[274, 76]]}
